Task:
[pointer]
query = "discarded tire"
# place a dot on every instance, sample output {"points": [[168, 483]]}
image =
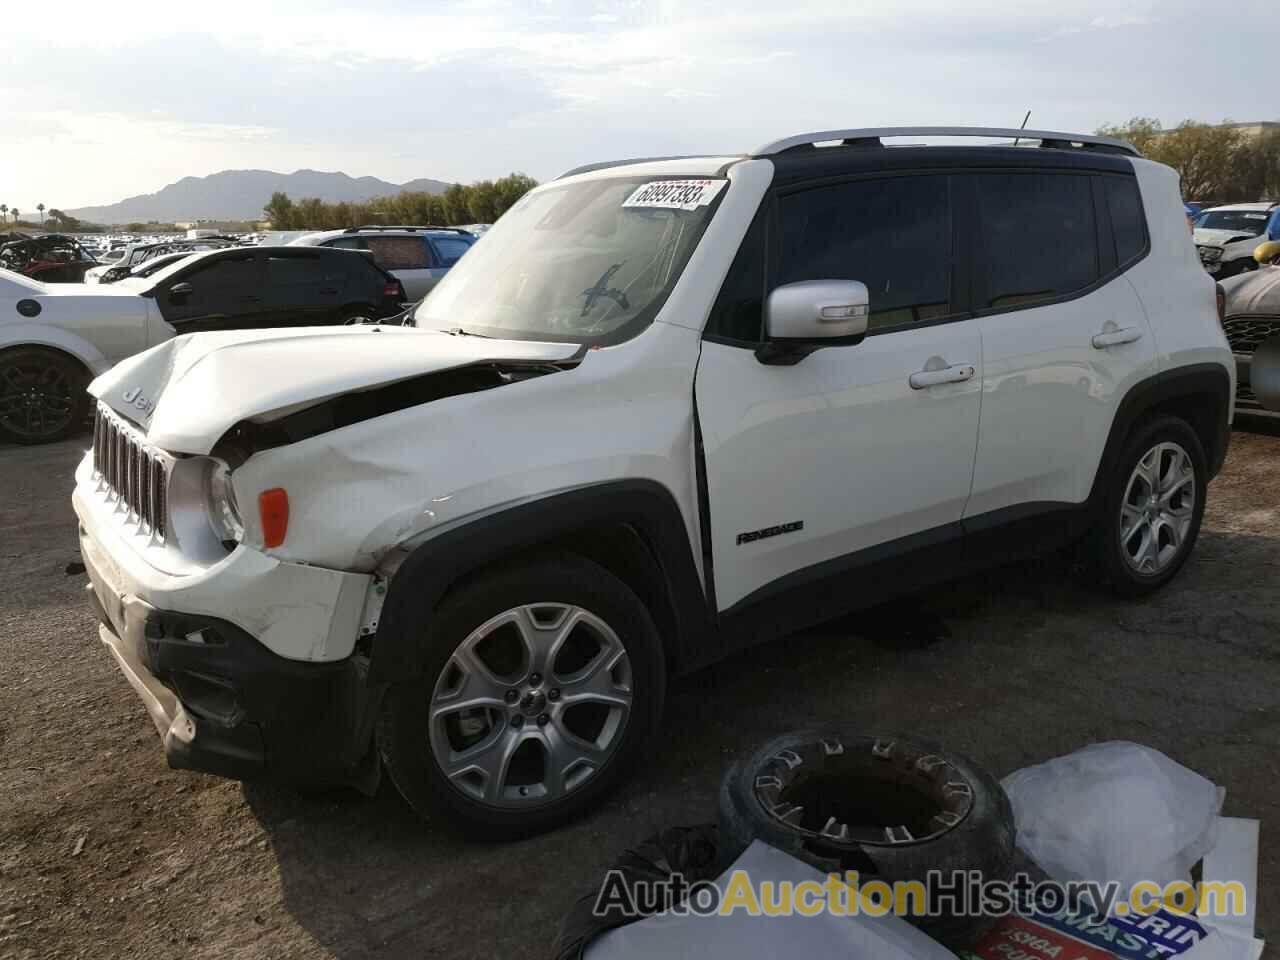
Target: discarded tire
{"points": [[889, 807], [692, 852]]}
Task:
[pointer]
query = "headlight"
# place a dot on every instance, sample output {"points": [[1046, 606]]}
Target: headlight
{"points": [[202, 509], [220, 501]]}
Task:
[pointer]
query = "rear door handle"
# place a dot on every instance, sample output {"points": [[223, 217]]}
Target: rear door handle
{"points": [[1113, 338], [328, 289], [956, 373]]}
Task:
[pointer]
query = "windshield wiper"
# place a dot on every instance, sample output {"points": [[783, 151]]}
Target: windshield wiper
{"points": [[459, 332], [602, 289]]}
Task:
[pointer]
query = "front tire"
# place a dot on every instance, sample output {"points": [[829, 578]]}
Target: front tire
{"points": [[539, 694], [1152, 507]]}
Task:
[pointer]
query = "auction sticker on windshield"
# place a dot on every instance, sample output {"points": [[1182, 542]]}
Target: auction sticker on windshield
{"points": [[675, 194]]}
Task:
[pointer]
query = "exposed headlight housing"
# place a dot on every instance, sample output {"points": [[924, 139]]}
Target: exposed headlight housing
{"points": [[203, 512], [220, 501]]}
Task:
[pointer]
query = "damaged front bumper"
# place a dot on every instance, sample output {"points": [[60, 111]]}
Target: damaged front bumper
{"points": [[222, 700]]}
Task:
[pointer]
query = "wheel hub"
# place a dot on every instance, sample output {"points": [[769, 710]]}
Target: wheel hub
{"points": [[533, 703]]}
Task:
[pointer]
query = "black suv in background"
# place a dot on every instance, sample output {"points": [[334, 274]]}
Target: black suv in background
{"points": [[247, 287]]}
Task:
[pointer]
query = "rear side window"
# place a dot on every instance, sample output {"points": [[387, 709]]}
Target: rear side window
{"points": [[291, 271], [892, 235], [450, 249], [1128, 224], [348, 243], [399, 253], [1036, 240]]}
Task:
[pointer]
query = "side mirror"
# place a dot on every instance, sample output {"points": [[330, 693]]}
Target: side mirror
{"points": [[180, 289], [800, 318]]}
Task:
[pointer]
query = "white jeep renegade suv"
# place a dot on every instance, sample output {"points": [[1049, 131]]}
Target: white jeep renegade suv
{"points": [[667, 408]]}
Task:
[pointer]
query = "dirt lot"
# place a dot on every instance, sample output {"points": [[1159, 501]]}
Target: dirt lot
{"points": [[105, 852]]}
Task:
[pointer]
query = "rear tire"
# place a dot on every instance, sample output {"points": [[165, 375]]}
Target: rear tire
{"points": [[42, 395], [1152, 505], [540, 690]]}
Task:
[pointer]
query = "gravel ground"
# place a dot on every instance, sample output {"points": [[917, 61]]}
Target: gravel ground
{"points": [[105, 852]]}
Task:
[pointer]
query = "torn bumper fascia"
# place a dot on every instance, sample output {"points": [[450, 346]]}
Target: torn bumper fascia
{"points": [[296, 611]]}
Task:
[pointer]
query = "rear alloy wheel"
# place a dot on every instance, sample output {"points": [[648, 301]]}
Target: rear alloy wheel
{"points": [[42, 396], [1154, 502], [545, 686]]}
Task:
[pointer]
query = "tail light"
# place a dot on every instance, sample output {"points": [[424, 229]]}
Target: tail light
{"points": [[1222, 303], [393, 289]]}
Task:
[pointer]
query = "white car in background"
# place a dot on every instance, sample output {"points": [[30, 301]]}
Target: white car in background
{"points": [[1227, 236], [54, 339]]}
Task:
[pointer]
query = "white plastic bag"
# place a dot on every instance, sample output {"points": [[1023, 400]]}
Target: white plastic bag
{"points": [[1114, 811]]}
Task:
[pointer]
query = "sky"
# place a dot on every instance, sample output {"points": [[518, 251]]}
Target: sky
{"points": [[100, 101]]}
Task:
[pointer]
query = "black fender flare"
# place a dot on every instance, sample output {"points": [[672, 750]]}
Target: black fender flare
{"points": [[1200, 379], [419, 583]]}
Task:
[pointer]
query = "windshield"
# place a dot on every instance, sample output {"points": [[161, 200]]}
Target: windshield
{"points": [[587, 263], [1249, 222]]}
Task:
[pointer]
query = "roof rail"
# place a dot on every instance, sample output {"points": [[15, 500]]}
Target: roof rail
{"points": [[606, 164], [399, 226], [870, 136]]}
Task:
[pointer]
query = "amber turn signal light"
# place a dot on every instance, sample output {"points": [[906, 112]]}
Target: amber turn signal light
{"points": [[273, 508]]}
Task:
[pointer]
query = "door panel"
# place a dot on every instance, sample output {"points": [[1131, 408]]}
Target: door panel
{"points": [[1053, 373], [225, 293], [1049, 396], [840, 443]]}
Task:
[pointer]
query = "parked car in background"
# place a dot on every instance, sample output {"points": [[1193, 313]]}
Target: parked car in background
{"points": [[51, 258], [55, 338], [417, 256], [1251, 315], [138, 253], [662, 410], [1227, 236]]}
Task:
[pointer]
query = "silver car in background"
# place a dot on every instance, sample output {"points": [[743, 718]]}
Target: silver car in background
{"points": [[416, 256]]}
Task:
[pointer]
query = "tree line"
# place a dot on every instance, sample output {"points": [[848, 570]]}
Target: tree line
{"points": [[1222, 164], [481, 202]]}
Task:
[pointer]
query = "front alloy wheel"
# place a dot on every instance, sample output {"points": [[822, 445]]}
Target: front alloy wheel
{"points": [[531, 705], [538, 689]]}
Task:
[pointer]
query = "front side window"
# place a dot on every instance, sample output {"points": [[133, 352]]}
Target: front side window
{"points": [[1036, 238], [590, 262], [892, 235]]}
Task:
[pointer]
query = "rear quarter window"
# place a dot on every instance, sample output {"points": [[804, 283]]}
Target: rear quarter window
{"points": [[399, 253], [1128, 222]]}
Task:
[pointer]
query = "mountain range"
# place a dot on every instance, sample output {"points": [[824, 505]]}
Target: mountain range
{"points": [[241, 195]]}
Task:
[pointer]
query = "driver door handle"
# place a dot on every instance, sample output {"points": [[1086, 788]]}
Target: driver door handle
{"points": [[1113, 338], [956, 373]]}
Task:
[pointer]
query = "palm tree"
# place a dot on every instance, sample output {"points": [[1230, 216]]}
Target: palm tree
{"points": [[4, 213], [40, 207], [14, 211]]}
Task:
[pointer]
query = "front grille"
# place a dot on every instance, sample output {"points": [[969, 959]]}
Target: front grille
{"points": [[136, 475], [1245, 334]]}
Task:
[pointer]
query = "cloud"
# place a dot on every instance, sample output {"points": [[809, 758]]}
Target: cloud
{"points": [[464, 89]]}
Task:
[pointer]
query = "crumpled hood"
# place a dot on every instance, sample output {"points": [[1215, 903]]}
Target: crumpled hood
{"points": [[1220, 238], [1256, 292], [188, 391]]}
